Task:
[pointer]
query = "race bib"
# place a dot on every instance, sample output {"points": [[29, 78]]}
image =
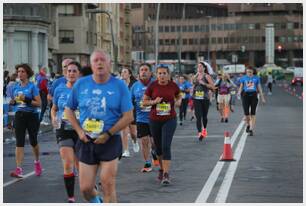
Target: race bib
{"points": [[183, 95], [233, 92], [199, 95], [163, 109], [143, 108], [93, 127]]}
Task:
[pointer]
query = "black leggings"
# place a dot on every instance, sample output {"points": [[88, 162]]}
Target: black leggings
{"points": [[183, 109], [249, 100], [162, 133], [26, 121], [44, 104], [201, 111]]}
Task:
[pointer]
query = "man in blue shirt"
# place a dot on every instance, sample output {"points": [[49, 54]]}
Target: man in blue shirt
{"points": [[249, 89], [185, 87], [142, 114], [105, 107]]}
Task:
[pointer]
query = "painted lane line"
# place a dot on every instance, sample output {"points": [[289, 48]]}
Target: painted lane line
{"points": [[19, 179], [230, 173], [206, 190]]}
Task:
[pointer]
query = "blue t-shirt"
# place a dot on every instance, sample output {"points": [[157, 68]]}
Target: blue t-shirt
{"points": [[184, 86], [250, 83], [137, 91], [103, 102], [30, 91], [56, 83], [60, 98]]}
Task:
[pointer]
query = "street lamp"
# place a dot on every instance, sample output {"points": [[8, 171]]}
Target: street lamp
{"points": [[115, 49]]}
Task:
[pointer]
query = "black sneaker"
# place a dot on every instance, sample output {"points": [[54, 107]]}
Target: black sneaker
{"points": [[251, 132], [222, 120], [226, 120], [181, 123], [192, 118], [166, 179], [247, 129], [160, 175]]}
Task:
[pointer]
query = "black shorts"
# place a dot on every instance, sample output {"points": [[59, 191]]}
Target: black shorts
{"points": [[249, 100], [143, 129], [92, 154], [62, 135]]}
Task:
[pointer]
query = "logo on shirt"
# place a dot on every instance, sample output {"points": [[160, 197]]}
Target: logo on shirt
{"points": [[97, 91], [110, 93], [84, 92]]}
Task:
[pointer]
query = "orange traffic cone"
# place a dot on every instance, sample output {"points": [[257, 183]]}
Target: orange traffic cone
{"points": [[227, 148]]}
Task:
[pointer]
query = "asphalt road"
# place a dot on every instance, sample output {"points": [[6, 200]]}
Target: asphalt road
{"points": [[268, 166]]}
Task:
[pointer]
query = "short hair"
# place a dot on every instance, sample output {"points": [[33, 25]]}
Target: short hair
{"points": [[77, 64], [163, 66], [27, 68], [101, 52], [145, 64]]}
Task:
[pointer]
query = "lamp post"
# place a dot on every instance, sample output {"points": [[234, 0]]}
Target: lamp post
{"points": [[115, 49], [180, 41], [156, 34]]}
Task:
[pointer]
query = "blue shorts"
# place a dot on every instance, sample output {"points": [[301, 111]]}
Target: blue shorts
{"points": [[92, 154]]}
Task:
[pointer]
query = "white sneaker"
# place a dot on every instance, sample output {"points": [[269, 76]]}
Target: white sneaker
{"points": [[135, 146], [126, 153]]}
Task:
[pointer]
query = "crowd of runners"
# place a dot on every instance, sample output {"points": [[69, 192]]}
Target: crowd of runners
{"points": [[94, 113]]}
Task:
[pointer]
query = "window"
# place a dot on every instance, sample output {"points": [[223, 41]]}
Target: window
{"points": [[178, 28], [225, 40], [166, 28], [220, 40], [161, 42], [220, 27], [172, 28], [226, 27], [190, 28], [172, 41], [296, 39], [251, 39], [195, 41], [184, 28], [213, 27], [232, 26], [263, 39], [184, 41], [66, 10], [245, 39], [196, 28], [290, 25], [167, 41], [213, 40], [282, 39], [202, 41], [276, 39], [283, 25], [296, 25], [289, 39], [161, 29], [257, 26], [251, 26], [232, 40], [190, 41], [238, 40], [277, 25], [66, 36]]}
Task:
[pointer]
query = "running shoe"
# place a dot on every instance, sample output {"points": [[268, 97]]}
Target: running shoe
{"points": [[204, 133], [200, 136], [232, 109], [226, 120], [147, 167], [166, 179], [247, 129], [126, 153], [181, 123], [135, 146], [155, 163], [71, 200], [37, 168], [17, 173], [251, 133], [160, 175], [222, 120]]}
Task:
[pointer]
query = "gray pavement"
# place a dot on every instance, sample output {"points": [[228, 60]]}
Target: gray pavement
{"points": [[270, 169]]}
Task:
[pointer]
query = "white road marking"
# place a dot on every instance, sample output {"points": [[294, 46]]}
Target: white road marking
{"points": [[195, 136], [206, 190], [19, 179], [230, 173]]}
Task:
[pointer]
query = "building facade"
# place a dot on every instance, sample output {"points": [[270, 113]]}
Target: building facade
{"points": [[26, 35], [77, 33], [218, 32]]}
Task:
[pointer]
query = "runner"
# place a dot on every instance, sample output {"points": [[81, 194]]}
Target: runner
{"points": [[65, 135], [201, 84], [224, 86], [163, 95], [142, 116], [249, 89], [270, 83], [127, 76], [27, 100], [105, 109], [184, 86]]}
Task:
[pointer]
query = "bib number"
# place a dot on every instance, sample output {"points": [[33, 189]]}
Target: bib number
{"points": [[163, 109], [93, 127], [199, 95], [233, 92]]}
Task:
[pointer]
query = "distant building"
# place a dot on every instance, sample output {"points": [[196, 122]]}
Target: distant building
{"points": [[215, 32], [26, 34]]}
